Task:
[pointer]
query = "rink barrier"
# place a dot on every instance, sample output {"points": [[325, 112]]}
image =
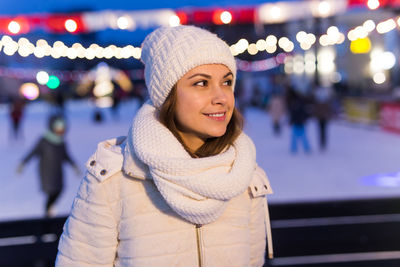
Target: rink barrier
{"points": [[347, 233], [30, 243], [342, 233]]}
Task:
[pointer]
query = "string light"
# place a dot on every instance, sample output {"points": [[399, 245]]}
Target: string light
{"points": [[42, 49], [270, 44]]}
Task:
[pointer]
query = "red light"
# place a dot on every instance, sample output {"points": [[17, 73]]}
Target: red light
{"points": [[17, 26], [216, 18], [71, 25], [65, 23], [183, 19]]}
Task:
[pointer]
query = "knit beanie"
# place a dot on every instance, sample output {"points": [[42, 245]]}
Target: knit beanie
{"points": [[168, 53]]}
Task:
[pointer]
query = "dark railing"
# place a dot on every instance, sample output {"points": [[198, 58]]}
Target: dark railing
{"points": [[337, 233], [30, 243], [333, 233]]}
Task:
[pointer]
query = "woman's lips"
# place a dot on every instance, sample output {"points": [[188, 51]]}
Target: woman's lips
{"points": [[218, 116]]}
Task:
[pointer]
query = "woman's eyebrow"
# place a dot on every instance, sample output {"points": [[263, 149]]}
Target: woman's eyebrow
{"points": [[200, 74], [229, 73], [208, 76]]}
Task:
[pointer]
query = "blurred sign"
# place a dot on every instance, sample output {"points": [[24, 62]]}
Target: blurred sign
{"points": [[361, 110], [390, 116]]}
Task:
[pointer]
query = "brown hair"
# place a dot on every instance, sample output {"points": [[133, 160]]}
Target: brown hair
{"points": [[212, 146]]}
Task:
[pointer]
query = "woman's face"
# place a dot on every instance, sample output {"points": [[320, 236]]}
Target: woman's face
{"points": [[205, 103]]}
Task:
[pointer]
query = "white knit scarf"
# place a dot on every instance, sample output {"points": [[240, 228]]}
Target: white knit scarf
{"points": [[198, 189]]}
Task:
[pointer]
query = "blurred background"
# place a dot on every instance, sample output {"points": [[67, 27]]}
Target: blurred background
{"points": [[318, 84]]}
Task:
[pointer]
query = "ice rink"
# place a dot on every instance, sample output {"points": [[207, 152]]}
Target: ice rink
{"points": [[360, 162]]}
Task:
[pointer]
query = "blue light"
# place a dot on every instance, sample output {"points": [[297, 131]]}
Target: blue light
{"points": [[382, 179]]}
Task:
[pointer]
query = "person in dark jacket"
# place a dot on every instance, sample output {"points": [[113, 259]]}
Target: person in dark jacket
{"points": [[16, 114], [52, 153], [323, 111], [298, 114]]}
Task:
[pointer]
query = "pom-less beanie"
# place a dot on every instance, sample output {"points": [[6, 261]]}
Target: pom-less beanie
{"points": [[168, 53]]}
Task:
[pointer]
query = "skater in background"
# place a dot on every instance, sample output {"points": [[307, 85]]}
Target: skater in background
{"points": [[323, 111], [276, 105], [51, 150], [16, 113], [299, 111]]}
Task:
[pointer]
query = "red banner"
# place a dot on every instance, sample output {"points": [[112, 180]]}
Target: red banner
{"points": [[390, 116]]}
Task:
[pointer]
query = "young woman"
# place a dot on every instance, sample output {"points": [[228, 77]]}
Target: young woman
{"points": [[183, 188]]}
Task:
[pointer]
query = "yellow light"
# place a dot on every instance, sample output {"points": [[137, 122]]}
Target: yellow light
{"points": [[137, 52], [252, 49], [271, 40], [242, 45], [305, 46], [283, 42], [271, 49], [289, 47], [39, 52], [301, 36], [360, 46], [10, 48], [261, 45], [311, 38]]}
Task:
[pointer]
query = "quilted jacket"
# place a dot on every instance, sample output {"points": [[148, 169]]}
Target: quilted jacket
{"points": [[119, 218]]}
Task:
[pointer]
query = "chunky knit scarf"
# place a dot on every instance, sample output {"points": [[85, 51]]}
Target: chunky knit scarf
{"points": [[198, 189]]}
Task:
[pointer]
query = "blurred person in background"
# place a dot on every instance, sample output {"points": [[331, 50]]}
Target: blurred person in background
{"points": [[51, 150], [323, 111], [183, 188], [17, 106], [276, 104], [299, 112]]}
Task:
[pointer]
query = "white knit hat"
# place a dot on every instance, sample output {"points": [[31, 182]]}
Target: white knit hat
{"points": [[168, 53]]}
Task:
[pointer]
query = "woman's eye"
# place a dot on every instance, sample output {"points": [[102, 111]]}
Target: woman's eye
{"points": [[201, 83], [228, 82]]}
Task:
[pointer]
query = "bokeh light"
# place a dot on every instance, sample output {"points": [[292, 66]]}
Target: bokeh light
{"points": [[42, 77], [53, 82], [29, 90]]}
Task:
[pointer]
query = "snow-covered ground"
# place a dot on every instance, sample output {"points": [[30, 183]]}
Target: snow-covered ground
{"points": [[359, 163]]}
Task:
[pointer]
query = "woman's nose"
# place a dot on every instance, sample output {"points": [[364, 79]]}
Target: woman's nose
{"points": [[218, 95]]}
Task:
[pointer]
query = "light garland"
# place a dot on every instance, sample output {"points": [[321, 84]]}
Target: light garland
{"points": [[270, 44], [42, 49], [267, 13]]}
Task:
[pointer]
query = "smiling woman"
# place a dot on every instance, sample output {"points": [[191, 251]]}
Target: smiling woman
{"points": [[200, 108], [183, 188]]}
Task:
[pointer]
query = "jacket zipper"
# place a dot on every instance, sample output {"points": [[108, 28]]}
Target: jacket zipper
{"points": [[199, 248]]}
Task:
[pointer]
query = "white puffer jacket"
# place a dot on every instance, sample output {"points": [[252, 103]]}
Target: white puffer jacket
{"points": [[119, 218]]}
